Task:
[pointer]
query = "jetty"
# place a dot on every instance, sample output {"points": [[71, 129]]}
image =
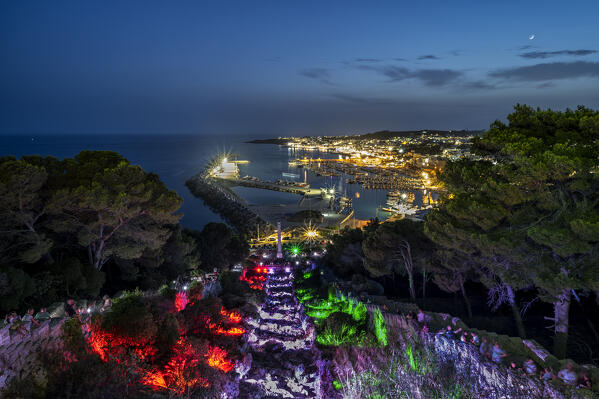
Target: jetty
{"points": [[287, 187]]}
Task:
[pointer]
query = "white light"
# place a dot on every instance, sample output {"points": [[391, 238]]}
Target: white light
{"points": [[89, 310], [404, 195], [225, 160], [307, 262], [287, 269], [185, 288], [297, 262], [261, 263], [332, 191], [401, 150]]}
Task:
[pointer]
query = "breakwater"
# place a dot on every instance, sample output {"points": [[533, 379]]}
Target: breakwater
{"points": [[226, 203]]}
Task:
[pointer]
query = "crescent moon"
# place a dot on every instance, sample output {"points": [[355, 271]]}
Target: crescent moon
{"points": [[531, 37]]}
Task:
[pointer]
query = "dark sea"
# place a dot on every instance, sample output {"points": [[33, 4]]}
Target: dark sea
{"points": [[175, 158]]}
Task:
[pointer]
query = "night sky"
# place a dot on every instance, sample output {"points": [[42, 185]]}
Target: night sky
{"points": [[289, 67]]}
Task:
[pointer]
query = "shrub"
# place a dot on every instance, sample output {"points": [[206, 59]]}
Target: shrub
{"points": [[129, 317], [73, 336], [167, 292], [380, 328]]}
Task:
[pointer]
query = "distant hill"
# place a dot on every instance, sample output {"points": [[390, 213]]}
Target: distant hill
{"points": [[383, 135], [269, 141], [388, 134]]}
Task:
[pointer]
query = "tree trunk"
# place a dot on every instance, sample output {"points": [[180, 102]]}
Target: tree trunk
{"points": [[561, 309], [466, 300], [406, 254], [516, 311], [518, 319], [412, 290]]}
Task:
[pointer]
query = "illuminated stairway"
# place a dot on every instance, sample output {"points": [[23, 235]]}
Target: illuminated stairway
{"points": [[284, 361]]}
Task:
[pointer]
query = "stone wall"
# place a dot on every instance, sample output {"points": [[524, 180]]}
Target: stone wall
{"points": [[18, 354], [491, 380], [495, 381]]}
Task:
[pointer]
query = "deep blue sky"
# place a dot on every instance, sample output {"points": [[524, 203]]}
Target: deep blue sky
{"points": [[289, 67]]}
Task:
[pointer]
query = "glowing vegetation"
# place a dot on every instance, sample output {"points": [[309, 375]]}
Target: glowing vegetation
{"points": [[380, 329], [345, 334], [181, 301], [340, 320], [254, 277], [180, 354]]}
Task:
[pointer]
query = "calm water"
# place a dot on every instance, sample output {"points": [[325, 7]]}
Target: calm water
{"points": [[176, 157]]}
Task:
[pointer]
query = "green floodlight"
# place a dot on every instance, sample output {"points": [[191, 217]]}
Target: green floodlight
{"points": [[295, 249]]}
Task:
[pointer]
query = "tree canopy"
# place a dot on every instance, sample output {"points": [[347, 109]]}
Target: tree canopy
{"points": [[66, 223], [527, 214]]}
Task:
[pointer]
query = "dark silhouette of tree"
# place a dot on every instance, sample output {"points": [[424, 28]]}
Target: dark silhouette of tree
{"points": [[530, 216], [398, 247], [22, 208], [115, 209]]}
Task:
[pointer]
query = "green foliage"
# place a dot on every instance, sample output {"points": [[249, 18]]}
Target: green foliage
{"points": [[120, 212], [73, 336], [64, 220], [397, 372], [167, 292], [129, 317], [305, 294], [78, 279], [340, 320], [220, 246], [195, 290], [344, 254], [340, 329], [21, 211], [336, 385], [380, 328], [416, 359], [15, 286], [526, 217], [168, 332]]}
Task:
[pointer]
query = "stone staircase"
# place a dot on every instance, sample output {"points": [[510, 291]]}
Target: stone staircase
{"points": [[282, 360]]}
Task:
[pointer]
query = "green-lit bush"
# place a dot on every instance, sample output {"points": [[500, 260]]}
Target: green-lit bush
{"points": [[341, 329], [380, 328]]}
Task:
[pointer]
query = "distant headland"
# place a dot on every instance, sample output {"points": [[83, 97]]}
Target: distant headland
{"points": [[380, 135]]}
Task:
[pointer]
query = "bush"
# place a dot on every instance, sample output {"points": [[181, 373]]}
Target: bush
{"points": [[341, 329], [129, 317], [73, 336], [167, 292], [195, 291]]}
